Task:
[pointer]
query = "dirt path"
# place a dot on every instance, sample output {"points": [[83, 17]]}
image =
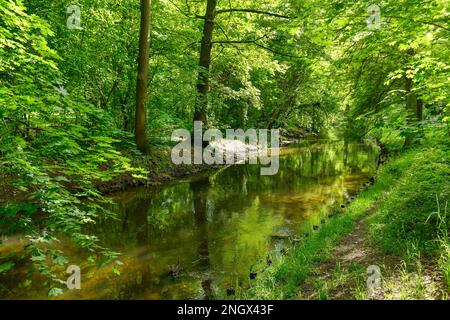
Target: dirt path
{"points": [[344, 276]]}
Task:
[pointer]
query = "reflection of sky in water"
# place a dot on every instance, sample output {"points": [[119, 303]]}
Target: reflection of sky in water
{"points": [[219, 227]]}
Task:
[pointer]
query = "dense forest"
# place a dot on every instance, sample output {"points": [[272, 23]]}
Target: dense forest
{"points": [[92, 90]]}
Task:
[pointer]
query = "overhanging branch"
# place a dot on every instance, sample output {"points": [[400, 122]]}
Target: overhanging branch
{"points": [[256, 43], [276, 52], [188, 13], [239, 41], [255, 11]]}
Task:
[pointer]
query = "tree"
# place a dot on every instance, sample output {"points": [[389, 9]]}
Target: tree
{"points": [[395, 72], [53, 146], [140, 125], [201, 105]]}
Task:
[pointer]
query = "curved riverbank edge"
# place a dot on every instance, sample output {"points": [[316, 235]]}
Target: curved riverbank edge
{"points": [[161, 170], [404, 234]]}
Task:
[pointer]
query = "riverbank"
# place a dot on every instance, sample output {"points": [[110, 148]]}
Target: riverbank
{"points": [[213, 226], [159, 168], [400, 224]]}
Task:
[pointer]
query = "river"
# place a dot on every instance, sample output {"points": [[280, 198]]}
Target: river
{"points": [[208, 235]]}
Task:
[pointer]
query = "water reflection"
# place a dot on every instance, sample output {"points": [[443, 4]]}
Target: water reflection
{"points": [[199, 190], [197, 238]]}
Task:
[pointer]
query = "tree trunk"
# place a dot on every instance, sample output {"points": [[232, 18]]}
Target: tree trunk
{"points": [[419, 110], [411, 100], [140, 125], [201, 105], [411, 107]]}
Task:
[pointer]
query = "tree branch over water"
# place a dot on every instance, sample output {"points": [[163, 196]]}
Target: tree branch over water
{"points": [[255, 11]]}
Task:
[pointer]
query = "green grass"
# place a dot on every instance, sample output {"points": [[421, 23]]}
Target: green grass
{"points": [[444, 243], [408, 218], [412, 222]]}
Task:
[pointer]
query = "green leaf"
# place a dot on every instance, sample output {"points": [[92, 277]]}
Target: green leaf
{"points": [[39, 258], [4, 267], [116, 271], [54, 292], [60, 260], [61, 178]]}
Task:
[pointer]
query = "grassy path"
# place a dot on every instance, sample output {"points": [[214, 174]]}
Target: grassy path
{"points": [[344, 275]]}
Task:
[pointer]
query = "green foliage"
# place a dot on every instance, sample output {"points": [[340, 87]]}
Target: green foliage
{"points": [[409, 214], [6, 266], [67, 100], [412, 43], [52, 147]]}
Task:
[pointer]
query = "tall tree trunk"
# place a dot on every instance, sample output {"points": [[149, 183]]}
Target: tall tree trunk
{"points": [[201, 105], [140, 125], [419, 110], [411, 100], [414, 105], [411, 107]]}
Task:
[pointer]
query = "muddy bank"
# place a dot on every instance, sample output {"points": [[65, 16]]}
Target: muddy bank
{"points": [[126, 181], [161, 170]]}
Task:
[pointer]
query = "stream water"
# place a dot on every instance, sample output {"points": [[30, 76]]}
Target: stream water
{"points": [[197, 238]]}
